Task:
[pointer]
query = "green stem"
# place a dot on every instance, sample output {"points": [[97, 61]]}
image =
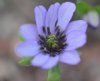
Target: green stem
{"points": [[54, 74]]}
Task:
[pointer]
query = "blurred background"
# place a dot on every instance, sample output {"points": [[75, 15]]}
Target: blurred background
{"points": [[13, 13]]}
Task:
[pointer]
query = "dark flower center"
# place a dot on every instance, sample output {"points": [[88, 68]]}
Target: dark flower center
{"points": [[52, 41], [52, 44]]}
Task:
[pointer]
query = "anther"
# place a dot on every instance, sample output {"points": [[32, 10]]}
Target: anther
{"points": [[48, 30], [44, 30]]}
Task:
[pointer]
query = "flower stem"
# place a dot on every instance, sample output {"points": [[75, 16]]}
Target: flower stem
{"points": [[54, 74]]}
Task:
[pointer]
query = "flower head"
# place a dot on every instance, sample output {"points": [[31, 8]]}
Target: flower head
{"points": [[92, 18], [54, 38]]}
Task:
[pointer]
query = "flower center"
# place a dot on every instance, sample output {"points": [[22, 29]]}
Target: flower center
{"points": [[52, 41], [52, 44]]}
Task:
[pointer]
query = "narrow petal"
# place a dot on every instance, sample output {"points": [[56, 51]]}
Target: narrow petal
{"points": [[75, 39], [52, 61], [28, 31], [51, 17], [29, 48], [65, 14], [40, 59], [79, 25], [40, 13], [70, 57], [48, 15]]}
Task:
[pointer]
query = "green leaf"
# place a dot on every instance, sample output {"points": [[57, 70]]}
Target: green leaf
{"points": [[97, 8], [25, 61], [54, 74], [82, 7], [21, 37]]}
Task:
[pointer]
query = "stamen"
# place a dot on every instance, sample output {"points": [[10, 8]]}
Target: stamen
{"points": [[56, 23], [56, 28], [48, 30], [61, 37], [42, 37], [44, 30]]}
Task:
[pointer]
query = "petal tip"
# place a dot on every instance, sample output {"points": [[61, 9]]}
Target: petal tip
{"points": [[71, 5], [70, 57]]}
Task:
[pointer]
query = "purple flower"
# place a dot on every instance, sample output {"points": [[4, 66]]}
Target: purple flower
{"points": [[92, 18], [54, 38]]}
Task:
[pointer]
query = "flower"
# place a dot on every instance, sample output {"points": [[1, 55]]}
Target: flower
{"points": [[54, 38], [92, 17]]}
